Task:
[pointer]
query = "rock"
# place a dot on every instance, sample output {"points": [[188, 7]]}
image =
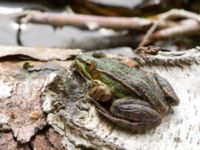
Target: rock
{"points": [[7, 142]]}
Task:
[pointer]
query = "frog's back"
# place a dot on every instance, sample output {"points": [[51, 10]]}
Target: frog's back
{"points": [[128, 75], [142, 81]]}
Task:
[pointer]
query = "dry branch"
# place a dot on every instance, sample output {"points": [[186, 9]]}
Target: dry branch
{"points": [[186, 27], [179, 13], [61, 19], [75, 115], [164, 22], [179, 29]]}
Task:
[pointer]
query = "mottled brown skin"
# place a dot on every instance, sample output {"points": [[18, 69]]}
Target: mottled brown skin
{"points": [[138, 99]]}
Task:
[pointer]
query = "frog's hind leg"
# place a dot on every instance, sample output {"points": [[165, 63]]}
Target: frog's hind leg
{"points": [[136, 111], [168, 91]]}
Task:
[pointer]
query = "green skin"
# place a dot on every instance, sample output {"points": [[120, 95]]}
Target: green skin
{"points": [[139, 99]]}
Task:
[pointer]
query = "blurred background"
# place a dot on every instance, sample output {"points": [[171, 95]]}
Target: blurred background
{"points": [[73, 37]]}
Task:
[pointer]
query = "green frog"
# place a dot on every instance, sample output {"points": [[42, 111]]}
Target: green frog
{"points": [[128, 96]]}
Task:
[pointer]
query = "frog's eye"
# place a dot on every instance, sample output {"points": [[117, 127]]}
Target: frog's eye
{"points": [[98, 55]]}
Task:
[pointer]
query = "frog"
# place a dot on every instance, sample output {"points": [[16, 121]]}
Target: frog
{"points": [[131, 97]]}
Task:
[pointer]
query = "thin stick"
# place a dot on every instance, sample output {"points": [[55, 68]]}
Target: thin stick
{"points": [[174, 13], [149, 33], [187, 27], [58, 19]]}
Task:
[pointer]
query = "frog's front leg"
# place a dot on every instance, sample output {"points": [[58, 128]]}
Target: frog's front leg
{"points": [[99, 91], [135, 110]]}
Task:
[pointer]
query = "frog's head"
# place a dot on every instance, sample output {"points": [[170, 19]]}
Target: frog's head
{"points": [[86, 64]]}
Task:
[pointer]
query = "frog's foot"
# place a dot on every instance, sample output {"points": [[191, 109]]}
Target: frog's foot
{"points": [[100, 92], [136, 111]]}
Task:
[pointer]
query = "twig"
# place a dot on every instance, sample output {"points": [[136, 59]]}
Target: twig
{"points": [[175, 13], [177, 30], [61, 19], [164, 24], [187, 27], [149, 33], [11, 16]]}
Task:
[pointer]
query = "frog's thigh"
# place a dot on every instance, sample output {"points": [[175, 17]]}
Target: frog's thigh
{"points": [[168, 91], [134, 110]]}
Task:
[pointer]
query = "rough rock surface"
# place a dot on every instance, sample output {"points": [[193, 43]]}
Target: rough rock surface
{"points": [[52, 111], [49, 140], [75, 117], [7, 142], [19, 107], [23, 124]]}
